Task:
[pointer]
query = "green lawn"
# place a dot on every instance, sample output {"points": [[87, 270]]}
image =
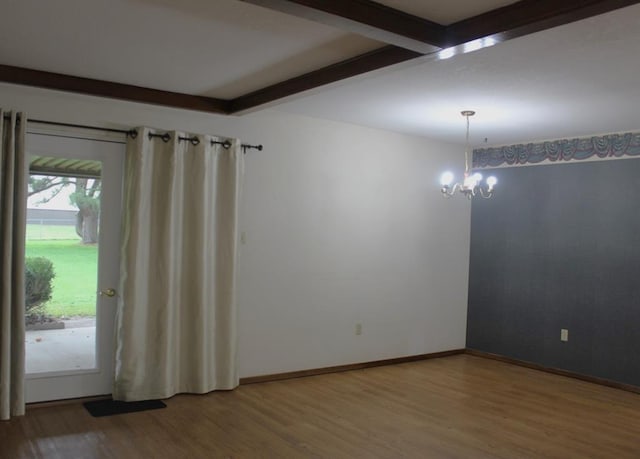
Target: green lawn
{"points": [[76, 268]]}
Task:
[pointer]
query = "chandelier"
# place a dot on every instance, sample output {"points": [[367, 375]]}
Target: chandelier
{"points": [[472, 182]]}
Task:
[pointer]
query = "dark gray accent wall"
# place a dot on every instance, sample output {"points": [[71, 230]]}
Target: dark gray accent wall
{"points": [[558, 246]]}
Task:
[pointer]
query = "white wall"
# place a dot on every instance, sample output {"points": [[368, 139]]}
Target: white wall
{"points": [[343, 224]]}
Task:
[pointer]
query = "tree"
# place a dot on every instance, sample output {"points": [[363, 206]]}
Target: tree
{"points": [[86, 198], [42, 183]]}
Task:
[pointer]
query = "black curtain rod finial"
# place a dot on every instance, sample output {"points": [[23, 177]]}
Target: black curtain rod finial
{"points": [[226, 144]]}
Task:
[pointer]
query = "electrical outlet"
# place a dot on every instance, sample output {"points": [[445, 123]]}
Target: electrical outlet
{"points": [[564, 335], [243, 237], [358, 329]]}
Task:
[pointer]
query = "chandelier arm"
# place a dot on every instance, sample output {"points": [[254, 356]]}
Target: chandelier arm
{"points": [[486, 194], [449, 191]]}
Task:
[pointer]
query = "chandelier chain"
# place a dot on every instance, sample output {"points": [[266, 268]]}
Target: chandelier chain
{"points": [[466, 147]]}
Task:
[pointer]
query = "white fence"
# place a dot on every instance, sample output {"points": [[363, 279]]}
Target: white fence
{"points": [[51, 229]]}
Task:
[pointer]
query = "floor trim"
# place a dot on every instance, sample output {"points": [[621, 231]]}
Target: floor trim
{"points": [[348, 367], [556, 371]]}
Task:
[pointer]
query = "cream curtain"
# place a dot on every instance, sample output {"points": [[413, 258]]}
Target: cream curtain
{"points": [[176, 327], [13, 203]]}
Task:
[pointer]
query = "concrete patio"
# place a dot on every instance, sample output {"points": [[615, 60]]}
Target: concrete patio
{"points": [[71, 348]]}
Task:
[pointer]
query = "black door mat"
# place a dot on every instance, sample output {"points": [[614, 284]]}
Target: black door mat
{"points": [[101, 408]]}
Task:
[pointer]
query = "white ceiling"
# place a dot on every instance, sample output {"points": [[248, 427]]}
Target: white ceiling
{"points": [[445, 12], [574, 80], [220, 49]]}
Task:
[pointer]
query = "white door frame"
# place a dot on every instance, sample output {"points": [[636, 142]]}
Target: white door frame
{"points": [[99, 380]]}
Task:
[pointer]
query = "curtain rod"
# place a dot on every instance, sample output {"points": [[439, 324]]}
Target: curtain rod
{"points": [[196, 141], [133, 133]]}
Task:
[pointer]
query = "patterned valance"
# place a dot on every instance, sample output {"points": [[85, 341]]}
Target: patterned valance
{"points": [[614, 145]]}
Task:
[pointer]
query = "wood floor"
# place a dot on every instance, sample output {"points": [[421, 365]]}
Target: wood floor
{"points": [[453, 407]]}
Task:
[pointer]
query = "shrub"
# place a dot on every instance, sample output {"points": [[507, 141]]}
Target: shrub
{"points": [[39, 275]]}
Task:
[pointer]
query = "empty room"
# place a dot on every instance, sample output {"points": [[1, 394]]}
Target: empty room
{"points": [[285, 228]]}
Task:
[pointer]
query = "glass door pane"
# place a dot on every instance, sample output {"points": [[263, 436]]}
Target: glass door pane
{"points": [[61, 271]]}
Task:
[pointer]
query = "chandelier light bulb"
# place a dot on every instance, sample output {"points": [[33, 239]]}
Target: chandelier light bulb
{"points": [[446, 178], [491, 181]]}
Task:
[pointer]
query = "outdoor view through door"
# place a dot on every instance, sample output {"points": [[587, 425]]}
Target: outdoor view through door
{"points": [[61, 267]]}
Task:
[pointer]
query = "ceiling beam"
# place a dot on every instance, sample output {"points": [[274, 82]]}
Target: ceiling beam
{"points": [[100, 88], [526, 17], [374, 60], [366, 18]]}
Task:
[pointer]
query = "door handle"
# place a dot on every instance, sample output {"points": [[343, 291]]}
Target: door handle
{"points": [[108, 292]]}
